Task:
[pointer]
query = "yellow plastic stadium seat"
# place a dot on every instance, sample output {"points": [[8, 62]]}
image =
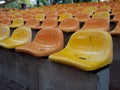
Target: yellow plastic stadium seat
{"points": [[17, 23], [86, 50], [20, 36], [101, 15], [40, 17], [64, 16], [4, 32], [88, 11], [106, 7]]}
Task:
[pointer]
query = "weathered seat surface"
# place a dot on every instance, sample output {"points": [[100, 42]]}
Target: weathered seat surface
{"points": [[20, 36], [46, 42], [4, 32], [87, 50]]}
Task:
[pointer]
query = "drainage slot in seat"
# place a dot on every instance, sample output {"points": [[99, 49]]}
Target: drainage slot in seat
{"points": [[82, 58]]}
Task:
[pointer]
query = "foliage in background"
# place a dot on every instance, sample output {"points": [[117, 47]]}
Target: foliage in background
{"points": [[17, 4]]}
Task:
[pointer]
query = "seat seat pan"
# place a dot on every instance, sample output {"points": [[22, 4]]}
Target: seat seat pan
{"points": [[81, 60], [69, 25], [35, 49], [11, 43]]}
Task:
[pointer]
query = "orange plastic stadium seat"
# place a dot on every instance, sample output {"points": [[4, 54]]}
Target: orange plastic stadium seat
{"points": [[2, 16], [20, 36], [69, 25], [11, 17], [116, 31], [73, 11], [27, 16], [61, 11], [49, 23], [104, 9], [96, 24], [82, 17], [32, 23], [86, 50], [5, 22], [116, 17], [115, 10], [18, 16], [46, 42], [52, 15], [4, 32]]}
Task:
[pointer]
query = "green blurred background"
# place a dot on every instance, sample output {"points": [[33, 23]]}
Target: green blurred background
{"points": [[37, 3]]}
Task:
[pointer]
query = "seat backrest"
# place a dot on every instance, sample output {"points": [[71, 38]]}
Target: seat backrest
{"points": [[82, 15], [17, 21], [52, 15], [40, 17], [90, 40], [73, 11], [22, 34], [87, 10], [49, 38], [96, 22], [2, 16], [68, 24], [101, 15], [27, 16], [49, 23], [5, 21], [4, 32], [32, 22], [64, 16]]}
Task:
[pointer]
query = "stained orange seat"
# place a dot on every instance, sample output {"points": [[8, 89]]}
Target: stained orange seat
{"points": [[82, 17], [61, 11], [115, 10], [69, 25], [52, 15], [2, 16], [11, 17], [33, 23], [96, 24], [46, 42], [116, 17], [27, 16], [73, 11], [5, 22], [49, 23]]}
